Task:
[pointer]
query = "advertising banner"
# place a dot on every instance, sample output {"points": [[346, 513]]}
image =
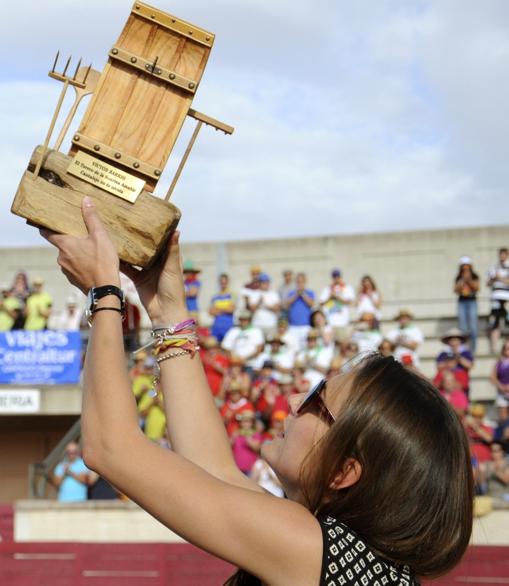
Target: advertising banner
{"points": [[44, 357]]}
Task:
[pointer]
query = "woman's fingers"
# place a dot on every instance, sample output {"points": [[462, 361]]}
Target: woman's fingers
{"points": [[53, 237], [91, 217], [173, 261]]}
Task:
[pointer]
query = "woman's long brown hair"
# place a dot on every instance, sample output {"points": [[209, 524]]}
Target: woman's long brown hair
{"points": [[414, 500]]}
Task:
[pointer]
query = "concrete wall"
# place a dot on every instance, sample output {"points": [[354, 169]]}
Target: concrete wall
{"points": [[414, 269], [92, 521], [116, 521]]}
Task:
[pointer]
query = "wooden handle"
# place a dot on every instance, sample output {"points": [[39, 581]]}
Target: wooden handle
{"points": [[183, 161]]}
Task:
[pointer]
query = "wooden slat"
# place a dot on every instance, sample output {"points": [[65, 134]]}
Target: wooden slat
{"points": [[134, 112]]}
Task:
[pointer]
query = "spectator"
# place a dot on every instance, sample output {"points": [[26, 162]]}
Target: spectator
{"points": [[386, 347], [221, 308], [502, 434], [21, 287], [287, 338], [316, 358], [346, 357], [215, 364], [480, 435], [498, 472], [453, 393], [500, 379], [264, 391], [10, 309], [369, 299], [446, 362], [245, 341], [407, 338], [282, 357], [100, 489], [498, 281], [71, 476], [255, 272], [235, 403], [237, 375], [466, 287], [264, 304], [318, 322], [137, 368], [335, 301], [131, 325], [251, 285], [151, 411], [299, 303], [246, 441], [456, 351], [192, 287], [38, 307], [285, 288], [366, 334], [301, 382], [70, 318]]}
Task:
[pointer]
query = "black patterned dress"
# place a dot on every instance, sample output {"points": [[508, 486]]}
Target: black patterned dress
{"points": [[347, 560]]}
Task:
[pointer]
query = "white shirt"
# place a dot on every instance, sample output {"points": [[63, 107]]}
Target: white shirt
{"points": [[338, 313], [366, 304], [367, 340], [263, 317], [499, 290], [243, 343], [285, 359], [66, 321], [321, 357], [411, 334]]}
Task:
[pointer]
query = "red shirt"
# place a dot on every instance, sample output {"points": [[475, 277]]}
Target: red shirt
{"points": [[214, 377]]}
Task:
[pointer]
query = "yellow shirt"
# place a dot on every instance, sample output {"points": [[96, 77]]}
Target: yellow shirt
{"points": [[155, 421], [6, 305], [36, 303]]}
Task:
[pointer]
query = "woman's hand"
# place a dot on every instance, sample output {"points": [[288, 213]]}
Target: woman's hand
{"points": [[161, 287], [89, 261]]}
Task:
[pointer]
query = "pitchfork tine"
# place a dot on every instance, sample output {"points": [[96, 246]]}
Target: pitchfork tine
{"points": [[66, 66], [87, 72], [55, 64], [76, 70]]}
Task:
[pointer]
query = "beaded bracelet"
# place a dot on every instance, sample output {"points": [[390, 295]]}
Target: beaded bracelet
{"points": [[171, 355], [185, 329]]}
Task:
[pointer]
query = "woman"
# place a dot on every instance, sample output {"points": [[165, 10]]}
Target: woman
{"points": [[354, 460], [369, 299], [318, 322], [466, 287], [500, 379]]}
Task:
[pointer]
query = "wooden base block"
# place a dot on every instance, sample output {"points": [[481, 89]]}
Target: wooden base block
{"points": [[139, 230]]}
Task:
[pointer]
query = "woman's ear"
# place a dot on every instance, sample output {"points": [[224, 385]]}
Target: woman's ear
{"points": [[349, 476]]}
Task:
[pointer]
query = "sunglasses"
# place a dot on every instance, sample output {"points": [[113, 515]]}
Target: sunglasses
{"points": [[314, 403]]}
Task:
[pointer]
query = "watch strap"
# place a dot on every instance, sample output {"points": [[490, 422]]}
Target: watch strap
{"points": [[100, 292]]}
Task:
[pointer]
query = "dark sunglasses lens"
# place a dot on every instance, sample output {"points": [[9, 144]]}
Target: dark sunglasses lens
{"points": [[310, 397]]}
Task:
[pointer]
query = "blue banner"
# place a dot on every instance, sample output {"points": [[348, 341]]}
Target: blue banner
{"points": [[45, 357]]}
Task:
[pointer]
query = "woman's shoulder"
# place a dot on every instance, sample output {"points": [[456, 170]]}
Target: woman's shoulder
{"points": [[347, 558]]}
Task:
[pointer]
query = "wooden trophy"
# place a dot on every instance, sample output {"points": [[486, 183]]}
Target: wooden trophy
{"points": [[138, 106]]}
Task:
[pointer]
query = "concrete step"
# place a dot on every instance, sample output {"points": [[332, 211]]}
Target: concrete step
{"points": [[481, 369], [432, 347]]}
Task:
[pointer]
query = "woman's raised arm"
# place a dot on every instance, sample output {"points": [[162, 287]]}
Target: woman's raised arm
{"points": [[195, 427]]}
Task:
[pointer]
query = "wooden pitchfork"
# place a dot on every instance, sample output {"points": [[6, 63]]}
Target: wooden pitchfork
{"points": [[90, 82]]}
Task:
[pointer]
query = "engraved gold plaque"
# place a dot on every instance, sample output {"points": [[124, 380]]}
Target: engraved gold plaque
{"points": [[106, 177]]}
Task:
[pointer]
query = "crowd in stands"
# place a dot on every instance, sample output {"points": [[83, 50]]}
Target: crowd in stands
{"points": [[266, 343]]}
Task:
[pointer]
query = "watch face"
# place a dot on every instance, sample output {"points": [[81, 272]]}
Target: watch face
{"points": [[90, 299]]}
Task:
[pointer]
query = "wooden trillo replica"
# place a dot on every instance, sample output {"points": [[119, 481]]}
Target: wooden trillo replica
{"points": [[138, 107]]}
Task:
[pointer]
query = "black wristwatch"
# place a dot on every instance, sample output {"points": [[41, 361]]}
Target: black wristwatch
{"points": [[97, 293]]}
